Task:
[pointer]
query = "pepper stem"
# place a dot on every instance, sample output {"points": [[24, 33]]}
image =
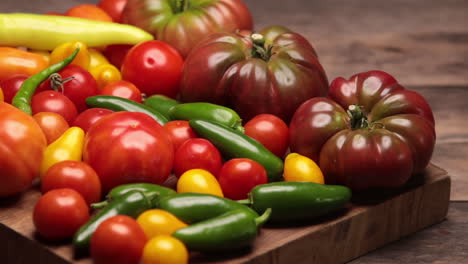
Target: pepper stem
{"points": [[357, 117], [245, 202], [259, 50], [263, 218], [100, 204]]}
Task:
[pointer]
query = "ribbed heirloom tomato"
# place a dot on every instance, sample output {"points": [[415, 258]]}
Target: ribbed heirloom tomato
{"points": [[126, 147], [369, 132]]}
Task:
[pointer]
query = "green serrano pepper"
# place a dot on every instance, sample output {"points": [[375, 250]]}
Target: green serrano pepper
{"points": [[231, 230], [22, 99], [120, 190], [234, 144], [131, 203], [196, 207], [207, 111], [297, 201], [161, 103], [116, 103]]}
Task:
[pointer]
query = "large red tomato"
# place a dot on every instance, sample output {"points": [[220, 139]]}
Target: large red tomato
{"points": [[154, 67], [22, 145], [184, 23], [370, 132], [126, 147], [270, 73]]}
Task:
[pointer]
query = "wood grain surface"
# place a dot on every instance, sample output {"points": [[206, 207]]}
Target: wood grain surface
{"points": [[423, 43]]}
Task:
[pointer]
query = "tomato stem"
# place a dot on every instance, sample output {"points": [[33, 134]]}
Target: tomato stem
{"points": [[57, 82], [258, 49], [182, 5], [357, 117]]}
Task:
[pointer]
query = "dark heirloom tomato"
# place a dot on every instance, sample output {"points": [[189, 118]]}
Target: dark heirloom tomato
{"points": [[369, 132], [272, 74], [183, 23], [126, 147]]}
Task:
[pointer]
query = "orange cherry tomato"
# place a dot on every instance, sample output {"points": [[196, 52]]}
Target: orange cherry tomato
{"points": [[52, 124], [89, 11], [15, 61], [62, 51]]}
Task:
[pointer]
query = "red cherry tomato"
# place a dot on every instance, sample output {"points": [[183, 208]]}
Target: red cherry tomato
{"points": [[55, 102], [197, 153], [11, 86], [116, 53], [113, 8], [237, 177], [52, 124], [154, 67], [79, 88], [179, 131], [75, 175], [90, 116], [118, 240], [59, 213], [271, 131], [122, 89]]}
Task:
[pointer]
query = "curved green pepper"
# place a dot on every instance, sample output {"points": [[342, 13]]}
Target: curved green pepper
{"points": [[196, 207], [297, 201], [161, 103], [131, 203], [234, 144], [232, 230], [120, 190], [207, 111], [116, 103]]}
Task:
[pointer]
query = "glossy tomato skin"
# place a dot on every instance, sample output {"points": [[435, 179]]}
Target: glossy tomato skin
{"points": [[154, 67], [271, 131], [82, 85], [238, 176], [122, 89], [10, 86], [59, 213], [397, 143], [22, 146], [113, 8], [137, 149], [183, 29], [55, 102], [179, 131], [197, 153], [222, 70], [90, 116], [118, 240], [75, 175]]}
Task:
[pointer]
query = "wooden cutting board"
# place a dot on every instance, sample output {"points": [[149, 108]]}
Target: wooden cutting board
{"points": [[370, 221]]}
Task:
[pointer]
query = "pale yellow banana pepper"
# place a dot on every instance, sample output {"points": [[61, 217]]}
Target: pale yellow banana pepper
{"points": [[69, 146]]}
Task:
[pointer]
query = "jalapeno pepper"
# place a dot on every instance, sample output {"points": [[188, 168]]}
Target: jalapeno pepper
{"points": [[22, 99], [297, 201], [231, 230], [196, 207], [207, 111], [161, 103], [116, 103], [234, 144], [131, 203], [120, 190]]}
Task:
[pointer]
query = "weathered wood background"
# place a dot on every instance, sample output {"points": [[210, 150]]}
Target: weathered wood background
{"points": [[423, 43]]}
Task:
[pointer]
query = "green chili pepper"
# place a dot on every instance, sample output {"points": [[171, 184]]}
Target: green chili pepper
{"points": [[22, 99], [196, 207], [232, 230], [131, 203], [116, 103], [44, 32], [207, 111], [120, 190], [297, 201], [161, 103], [234, 144]]}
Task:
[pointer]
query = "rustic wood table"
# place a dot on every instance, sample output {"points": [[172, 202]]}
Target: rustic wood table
{"points": [[424, 44]]}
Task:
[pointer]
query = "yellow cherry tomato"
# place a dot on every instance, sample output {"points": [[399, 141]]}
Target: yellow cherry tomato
{"points": [[165, 249], [96, 58], [82, 59], [105, 74], [301, 168], [199, 181], [159, 222]]}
